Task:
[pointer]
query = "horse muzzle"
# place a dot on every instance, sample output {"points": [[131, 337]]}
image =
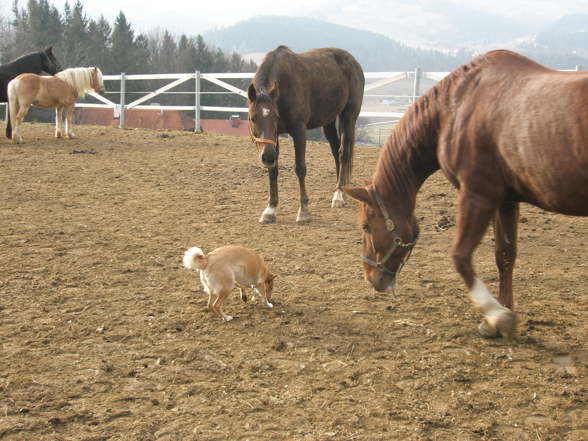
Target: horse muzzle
{"points": [[382, 282], [268, 158]]}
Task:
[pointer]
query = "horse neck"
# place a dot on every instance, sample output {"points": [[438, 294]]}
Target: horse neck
{"points": [[409, 156], [25, 64]]}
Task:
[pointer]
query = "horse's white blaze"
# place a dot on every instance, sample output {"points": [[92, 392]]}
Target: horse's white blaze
{"points": [[337, 198], [265, 111], [486, 302]]}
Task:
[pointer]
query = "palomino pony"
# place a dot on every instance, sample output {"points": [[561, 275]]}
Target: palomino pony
{"points": [[294, 92], [37, 62], [504, 130], [59, 91]]}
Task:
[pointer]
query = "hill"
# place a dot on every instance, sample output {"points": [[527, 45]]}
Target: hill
{"points": [[374, 52]]}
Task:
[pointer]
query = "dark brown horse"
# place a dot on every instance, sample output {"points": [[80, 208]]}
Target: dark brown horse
{"points": [[504, 130], [294, 92]]}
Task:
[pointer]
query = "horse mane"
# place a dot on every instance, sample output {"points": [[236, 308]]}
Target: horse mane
{"points": [[414, 139], [79, 78], [263, 75]]}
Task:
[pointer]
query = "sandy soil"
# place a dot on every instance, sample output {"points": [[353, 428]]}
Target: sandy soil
{"points": [[105, 336]]}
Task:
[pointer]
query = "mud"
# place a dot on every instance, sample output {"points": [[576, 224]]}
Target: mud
{"points": [[105, 336]]}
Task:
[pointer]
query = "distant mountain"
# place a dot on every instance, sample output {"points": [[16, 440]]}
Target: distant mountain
{"points": [[569, 34], [374, 52]]}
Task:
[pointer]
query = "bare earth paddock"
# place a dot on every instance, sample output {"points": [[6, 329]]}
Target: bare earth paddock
{"points": [[104, 336]]}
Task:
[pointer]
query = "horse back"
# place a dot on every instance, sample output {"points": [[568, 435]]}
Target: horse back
{"points": [[524, 129], [32, 89], [315, 86]]}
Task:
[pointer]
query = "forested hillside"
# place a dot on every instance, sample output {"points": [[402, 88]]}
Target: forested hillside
{"points": [[80, 40]]}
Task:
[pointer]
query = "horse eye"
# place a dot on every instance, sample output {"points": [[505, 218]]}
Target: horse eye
{"points": [[366, 228]]}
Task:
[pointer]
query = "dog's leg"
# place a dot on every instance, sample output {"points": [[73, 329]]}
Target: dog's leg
{"points": [[242, 295], [206, 289], [260, 289], [218, 304]]}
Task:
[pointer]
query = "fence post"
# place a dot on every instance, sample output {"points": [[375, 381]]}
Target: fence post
{"points": [[197, 127], [121, 121], [416, 90]]}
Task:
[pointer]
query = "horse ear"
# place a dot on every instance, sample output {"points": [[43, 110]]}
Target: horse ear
{"points": [[359, 193], [274, 92], [251, 93]]}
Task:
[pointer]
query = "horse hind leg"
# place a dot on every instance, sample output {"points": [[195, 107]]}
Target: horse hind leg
{"points": [[299, 136], [472, 221], [332, 136], [58, 121], [17, 123], [347, 124]]}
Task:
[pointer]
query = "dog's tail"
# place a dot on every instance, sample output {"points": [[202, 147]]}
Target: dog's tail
{"points": [[194, 258]]}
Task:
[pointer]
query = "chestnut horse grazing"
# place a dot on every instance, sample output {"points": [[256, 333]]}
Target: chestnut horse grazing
{"points": [[504, 130], [59, 91], [294, 92]]}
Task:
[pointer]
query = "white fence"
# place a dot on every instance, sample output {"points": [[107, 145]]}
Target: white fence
{"points": [[374, 81]]}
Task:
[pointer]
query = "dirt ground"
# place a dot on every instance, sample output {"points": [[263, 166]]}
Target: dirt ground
{"points": [[104, 335]]}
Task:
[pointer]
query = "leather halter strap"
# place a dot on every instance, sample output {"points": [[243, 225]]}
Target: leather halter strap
{"points": [[396, 239], [264, 141]]}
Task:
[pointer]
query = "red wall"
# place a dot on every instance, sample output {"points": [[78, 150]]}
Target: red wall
{"points": [[159, 120]]}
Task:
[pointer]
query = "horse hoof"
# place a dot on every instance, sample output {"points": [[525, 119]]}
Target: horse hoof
{"points": [[487, 331], [267, 218], [303, 218], [506, 325], [336, 203]]}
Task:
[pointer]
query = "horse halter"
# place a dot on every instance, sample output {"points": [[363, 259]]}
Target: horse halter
{"points": [[263, 141], [396, 241]]}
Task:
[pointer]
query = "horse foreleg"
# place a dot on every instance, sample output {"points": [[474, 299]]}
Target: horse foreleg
{"points": [[269, 214], [505, 237], [474, 216], [299, 137], [69, 133], [58, 121]]}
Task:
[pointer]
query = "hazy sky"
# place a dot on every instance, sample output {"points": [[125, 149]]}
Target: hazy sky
{"points": [[196, 17]]}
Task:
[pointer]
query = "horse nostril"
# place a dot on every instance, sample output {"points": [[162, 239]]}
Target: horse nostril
{"points": [[266, 159]]}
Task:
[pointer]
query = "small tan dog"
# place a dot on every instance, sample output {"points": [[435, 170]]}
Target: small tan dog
{"points": [[225, 267]]}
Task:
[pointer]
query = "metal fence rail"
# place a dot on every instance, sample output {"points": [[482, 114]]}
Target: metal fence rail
{"points": [[375, 81]]}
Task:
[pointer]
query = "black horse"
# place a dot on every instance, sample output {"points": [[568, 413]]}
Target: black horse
{"points": [[37, 63]]}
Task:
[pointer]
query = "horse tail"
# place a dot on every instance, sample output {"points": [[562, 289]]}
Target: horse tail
{"points": [[194, 258], [11, 108]]}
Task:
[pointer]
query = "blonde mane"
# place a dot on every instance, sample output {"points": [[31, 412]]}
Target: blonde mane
{"points": [[80, 78]]}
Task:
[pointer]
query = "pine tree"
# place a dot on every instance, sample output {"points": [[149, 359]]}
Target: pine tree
{"points": [[99, 42], [123, 45], [76, 42]]}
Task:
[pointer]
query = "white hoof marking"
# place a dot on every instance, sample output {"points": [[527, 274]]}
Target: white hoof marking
{"points": [[338, 200], [487, 303]]}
